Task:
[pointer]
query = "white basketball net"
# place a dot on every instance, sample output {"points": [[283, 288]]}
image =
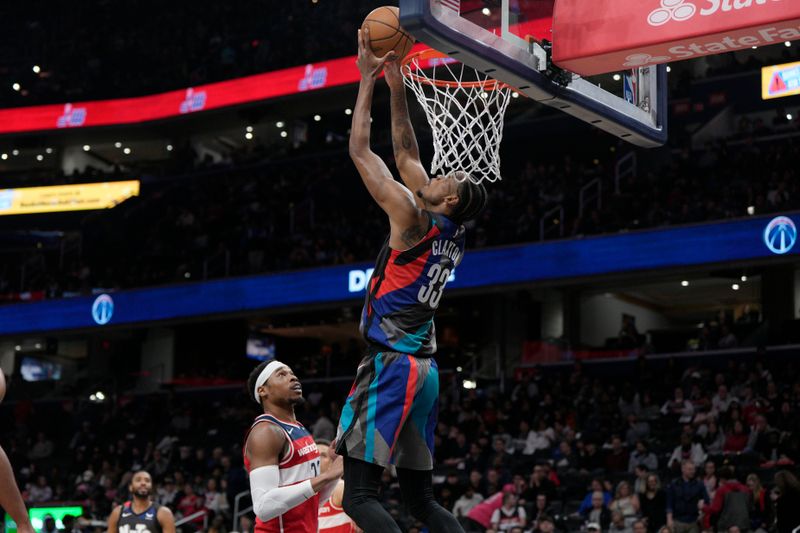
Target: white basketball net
{"points": [[465, 117]]}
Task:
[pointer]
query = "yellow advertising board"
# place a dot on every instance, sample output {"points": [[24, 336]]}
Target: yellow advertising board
{"points": [[778, 81], [57, 198]]}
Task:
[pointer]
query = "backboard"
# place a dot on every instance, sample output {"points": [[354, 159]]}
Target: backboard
{"points": [[511, 40]]}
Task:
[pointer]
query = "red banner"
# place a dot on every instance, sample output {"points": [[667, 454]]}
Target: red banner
{"points": [[265, 86], [616, 35]]}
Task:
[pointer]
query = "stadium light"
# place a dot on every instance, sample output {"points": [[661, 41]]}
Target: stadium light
{"points": [[16, 86], [36, 69], [48, 150], [4, 156], [187, 275], [317, 118], [669, 68], [117, 144], [248, 136], [751, 210], [86, 147], [789, 116], [18, 348], [348, 111], [126, 151], [469, 384], [14, 152], [284, 134], [169, 148], [279, 124], [744, 278], [486, 11], [684, 283], [515, 95], [249, 129], [788, 44], [735, 286], [755, 48], [39, 157], [617, 77]]}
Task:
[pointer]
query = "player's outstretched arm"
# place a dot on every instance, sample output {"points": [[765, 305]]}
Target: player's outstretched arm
{"points": [[264, 446], [404, 141], [408, 221], [166, 520], [10, 498]]}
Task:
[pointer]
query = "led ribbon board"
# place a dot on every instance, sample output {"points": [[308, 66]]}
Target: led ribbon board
{"points": [[780, 80], [755, 238], [616, 35], [83, 197]]}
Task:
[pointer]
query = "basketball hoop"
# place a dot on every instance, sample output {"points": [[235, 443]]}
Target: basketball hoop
{"points": [[465, 111]]}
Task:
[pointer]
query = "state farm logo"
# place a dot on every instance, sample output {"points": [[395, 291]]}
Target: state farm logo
{"points": [[682, 10], [677, 10], [643, 60]]}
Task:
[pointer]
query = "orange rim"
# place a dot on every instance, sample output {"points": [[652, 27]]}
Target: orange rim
{"points": [[430, 53]]}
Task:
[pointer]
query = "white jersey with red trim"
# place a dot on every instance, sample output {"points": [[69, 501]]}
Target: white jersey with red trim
{"points": [[299, 463], [332, 519]]}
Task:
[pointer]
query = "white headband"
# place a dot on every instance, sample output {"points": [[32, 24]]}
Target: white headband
{"points": [[271, 367]]}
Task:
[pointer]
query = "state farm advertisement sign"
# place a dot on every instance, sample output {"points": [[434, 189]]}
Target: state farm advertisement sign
{"points": [[618, 35]]}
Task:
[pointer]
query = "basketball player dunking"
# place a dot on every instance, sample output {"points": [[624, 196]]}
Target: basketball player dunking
{"points": [[390, 414], [282, 458], [141, 515], [10, 498]]}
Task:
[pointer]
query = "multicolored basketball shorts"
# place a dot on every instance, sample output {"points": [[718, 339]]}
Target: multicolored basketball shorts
{"points": [[390, 413]]}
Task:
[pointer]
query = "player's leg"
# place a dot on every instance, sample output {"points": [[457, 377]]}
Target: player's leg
{"points": [[368, 428], [414, 453], [362, 481]]}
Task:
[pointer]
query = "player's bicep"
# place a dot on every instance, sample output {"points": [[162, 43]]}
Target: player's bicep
{"points": [[264, 445], [113, 519], [166, 520], [395, 199]]}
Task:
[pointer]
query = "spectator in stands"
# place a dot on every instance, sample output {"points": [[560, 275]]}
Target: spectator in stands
{"points": [[598, 513], [545, 524], [466, 503], [167, 492], [190, 504], [41, 449], [787, 502], [539, 483], [595, 486], [761, 512], [509, 516], [590, 460], [323, 428], [541, 509], [479, 518], [642, 456], [618, 524], [683, 498], [679, 407], [40, 492], [721, 401], [565, 460], [736, 440], [687, 451], [727, 339], [625, 502], [710, 478], [540, 439], [640, 483], [617, 457], [638, 430], [759, 441], [640, 526], [713, 440], [731, 504], [654, 504]]}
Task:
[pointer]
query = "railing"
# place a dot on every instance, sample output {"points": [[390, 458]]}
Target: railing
{"points": [[191, 517], [552, 220], [626, 166], [237, 513], [591, 193]]}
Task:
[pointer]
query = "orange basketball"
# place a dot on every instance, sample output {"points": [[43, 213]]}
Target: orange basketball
{"points": [[385, 33]]}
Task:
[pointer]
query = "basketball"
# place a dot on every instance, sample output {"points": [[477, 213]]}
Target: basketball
{"points": [[385, 33]]}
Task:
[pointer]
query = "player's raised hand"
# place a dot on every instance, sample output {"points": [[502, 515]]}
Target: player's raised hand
{"points": [[394, 77], [368, 63]]}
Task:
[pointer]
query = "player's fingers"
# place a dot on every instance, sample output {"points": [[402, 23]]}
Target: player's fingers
{"points": [[360, 44], [388, 57]]}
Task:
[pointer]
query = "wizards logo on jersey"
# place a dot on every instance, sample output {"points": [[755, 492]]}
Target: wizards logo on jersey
{"points": [[406, 288]]}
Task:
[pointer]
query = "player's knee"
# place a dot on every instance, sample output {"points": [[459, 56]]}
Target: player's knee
{"points": [[352, 502], [421, 506]]}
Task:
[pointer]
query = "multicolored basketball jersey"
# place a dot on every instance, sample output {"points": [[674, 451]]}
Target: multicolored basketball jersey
{"points": [[301, 462], [406, 288], [332, 519], [131, 522]]}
